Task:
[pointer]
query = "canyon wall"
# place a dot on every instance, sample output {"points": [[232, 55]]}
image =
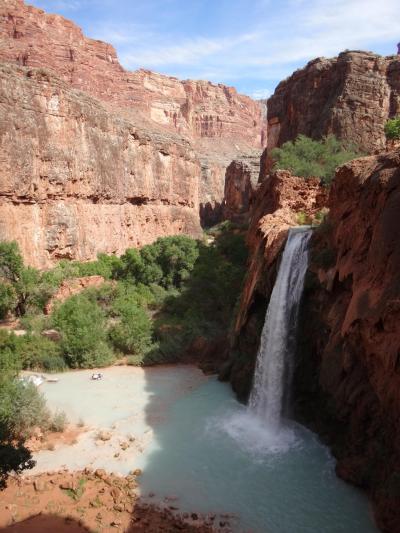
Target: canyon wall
{"points": [[241, 181], [351, 96], [187, 133], [33, 38], [347, 379], [76, 179], [347, 384]]}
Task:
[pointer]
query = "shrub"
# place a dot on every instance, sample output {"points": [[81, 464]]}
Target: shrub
{"points": [[58, 422], [167, 262], [308, 158], [8, 299], [392, 128], [83, 328], [30, 288], [22, 408], [133, 333]]}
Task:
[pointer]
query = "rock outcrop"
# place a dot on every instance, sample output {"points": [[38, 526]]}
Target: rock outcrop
{"points": [[347, 383], [277, 204], [241, 180], [219, 122], [347, 378], [351, 96], [76, 179], [32, 38]]}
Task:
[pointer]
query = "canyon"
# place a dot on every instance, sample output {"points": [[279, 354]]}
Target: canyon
{"points": [[172, 139], [98, 159], [346, 380]]}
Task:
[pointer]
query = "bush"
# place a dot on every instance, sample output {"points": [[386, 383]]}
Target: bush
{"points": [[133, 333], [392, 128], [30, 288], [167, 262], [83, 327], [8, 299], [22, 408], [58, 422], [308, 158]]}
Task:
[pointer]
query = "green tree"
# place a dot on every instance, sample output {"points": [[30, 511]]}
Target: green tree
{"points": [[392, 128], [308, 158], [8, 298], [83, 328], [30, 287], [133, 332]]}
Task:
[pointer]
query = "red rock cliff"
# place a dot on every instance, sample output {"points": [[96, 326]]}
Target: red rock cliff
{"points": [[203, 125], [348, 378], [76, 179], [350, 96]]}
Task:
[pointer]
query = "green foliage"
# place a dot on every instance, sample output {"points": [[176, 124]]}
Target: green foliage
{"points": [[30, 352], [392, 128], [205, 305], [83, 328], [8, 298], [308, 158], [11, 263], [303, 219], [167, 262], [23, 288], [133, 332], [22, 408], [58, 422]]}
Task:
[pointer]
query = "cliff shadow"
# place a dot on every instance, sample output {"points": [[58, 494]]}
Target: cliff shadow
{"points": [[210, 214]]}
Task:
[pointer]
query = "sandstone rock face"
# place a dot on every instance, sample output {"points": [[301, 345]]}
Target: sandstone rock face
{"points": [[350, 96], [350, 337], [209, 124], [34, 38], [77, 179], [241, 180], [276, 205]]}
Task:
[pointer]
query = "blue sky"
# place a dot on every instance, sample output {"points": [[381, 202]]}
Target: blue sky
{"points": [[250, 44]]}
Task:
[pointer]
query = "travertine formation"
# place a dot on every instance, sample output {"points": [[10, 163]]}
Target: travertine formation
{"points": [[350, 96], [76, 179]]}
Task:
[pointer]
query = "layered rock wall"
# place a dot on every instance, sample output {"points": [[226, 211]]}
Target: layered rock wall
{"points": [[351, 96], [241, 180], [30, 37], [347, 377], [347, 383], [76, 179]]}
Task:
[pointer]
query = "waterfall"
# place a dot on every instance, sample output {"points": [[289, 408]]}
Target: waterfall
{"points": [[274, 367]]}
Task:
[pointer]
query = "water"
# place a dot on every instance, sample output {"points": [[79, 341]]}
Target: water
{"points": [[206, 450], [215, 459], [269, 398]]}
